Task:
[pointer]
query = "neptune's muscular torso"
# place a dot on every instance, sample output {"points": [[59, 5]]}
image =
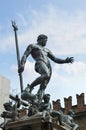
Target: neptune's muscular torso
{"points": [[40, 53]]}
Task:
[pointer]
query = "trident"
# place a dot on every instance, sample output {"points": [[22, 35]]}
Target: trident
{"points": [[17, 52]]}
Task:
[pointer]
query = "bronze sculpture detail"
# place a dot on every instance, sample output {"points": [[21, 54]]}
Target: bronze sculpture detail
{"points": [[41, 55]]}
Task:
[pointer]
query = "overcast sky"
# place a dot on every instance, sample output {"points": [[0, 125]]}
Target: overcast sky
{"points": [[64, 22]]}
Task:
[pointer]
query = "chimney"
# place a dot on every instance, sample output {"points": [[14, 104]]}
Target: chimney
{"points": [[80, 100], [56, 105], [68, 104]]}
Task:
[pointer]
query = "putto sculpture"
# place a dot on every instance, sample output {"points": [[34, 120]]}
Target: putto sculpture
{"points": [[69, 119]]}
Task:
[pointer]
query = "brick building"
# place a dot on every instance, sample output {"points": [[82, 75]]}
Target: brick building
{"points": [[79, 109]]}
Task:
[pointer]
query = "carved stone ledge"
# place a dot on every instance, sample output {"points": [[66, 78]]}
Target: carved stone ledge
{"points": [[36, 123]]}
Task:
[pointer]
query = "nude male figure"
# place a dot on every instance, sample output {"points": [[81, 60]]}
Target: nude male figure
{"points": [[41, 55]]}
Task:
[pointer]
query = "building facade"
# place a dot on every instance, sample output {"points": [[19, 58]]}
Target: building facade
{"points": [[4, 92], [79, 109]]}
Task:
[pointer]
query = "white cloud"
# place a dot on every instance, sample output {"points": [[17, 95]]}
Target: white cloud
{"points": [[76, 69], [7, 44], [67, 33], [29, 73], [67, 80], [22, 19]]}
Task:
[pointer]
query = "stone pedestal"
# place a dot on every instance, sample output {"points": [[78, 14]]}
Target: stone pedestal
{"points": [[36, 123]]}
